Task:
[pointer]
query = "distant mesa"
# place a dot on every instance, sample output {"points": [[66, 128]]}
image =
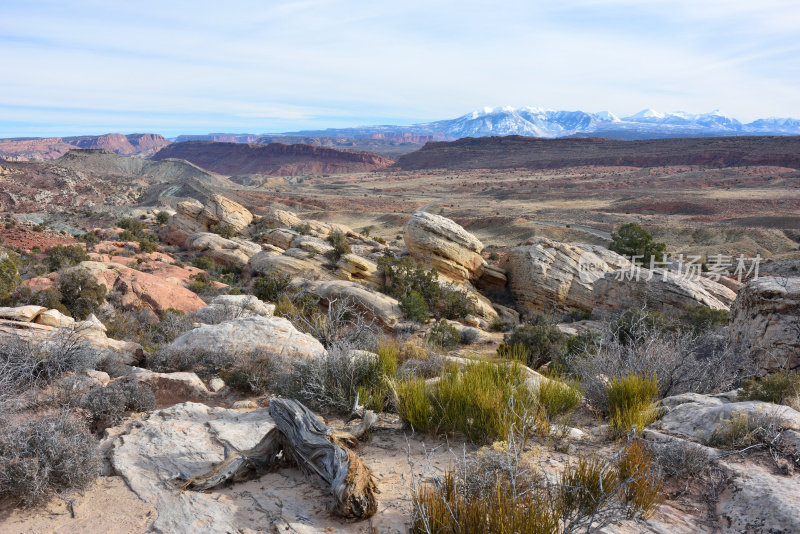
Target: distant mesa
{"points": [[274, 159], [528, 152], [39, 149]]}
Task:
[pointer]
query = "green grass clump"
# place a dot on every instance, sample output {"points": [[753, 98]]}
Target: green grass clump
{"points": [[482, 401], [744, 430], [781, 387], [556, 397], [591, 493], [631, 402], [414, 404]]}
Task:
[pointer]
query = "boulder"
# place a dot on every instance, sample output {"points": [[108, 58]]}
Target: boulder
{"points": [[442, 244], [55, 318], [697, 417], [109, 350], [21, 313], [279, 237], [234, 252], [765, 321], [383, 308], [222, 210], [226, 307], [274, 336], [280, 218], [659, 290], [137, 289], [550, 276], [269, 263], [352, 267], [170, 388]]}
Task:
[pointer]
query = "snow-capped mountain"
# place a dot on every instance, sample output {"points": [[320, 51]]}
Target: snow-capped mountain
{"points": [[539, 122]]}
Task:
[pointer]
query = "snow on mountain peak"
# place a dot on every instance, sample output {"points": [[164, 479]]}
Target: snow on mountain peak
{"points": [[648, 113]]}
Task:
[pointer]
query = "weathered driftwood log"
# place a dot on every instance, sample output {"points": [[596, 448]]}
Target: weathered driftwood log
{"points": [[302, 439]]}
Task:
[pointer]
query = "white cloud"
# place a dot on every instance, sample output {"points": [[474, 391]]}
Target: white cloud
{"points": [[271, 66]]}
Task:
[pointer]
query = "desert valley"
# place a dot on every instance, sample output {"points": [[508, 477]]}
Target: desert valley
{"points": [[466, 309]]}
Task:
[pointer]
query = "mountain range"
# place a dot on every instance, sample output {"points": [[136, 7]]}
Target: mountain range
{"points": [[538, 122]]}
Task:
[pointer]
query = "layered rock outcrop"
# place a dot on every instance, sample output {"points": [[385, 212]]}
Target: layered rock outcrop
{"points": [[659, 290], [193, 217], [136, 289], [550, 276], [765, 321], [273, 336], [442, 244]]}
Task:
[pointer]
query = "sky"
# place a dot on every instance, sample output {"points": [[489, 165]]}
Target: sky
{"points": [[179, 67]]}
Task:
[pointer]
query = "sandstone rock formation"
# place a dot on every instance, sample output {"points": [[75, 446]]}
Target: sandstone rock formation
{"points": [[550, 276], [273, 336], [221, 210], [90, 333], [659, 290], [225, 307], [697, 417], [192, 217], [170, 388], [138, 289], [383, 308], [765, 321], [182, 441], [445, 246]]}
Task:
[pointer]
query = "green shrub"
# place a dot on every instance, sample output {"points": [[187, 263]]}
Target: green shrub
{"points": [[541, 341], [403, 276], [444, 335], [780, 387], [49, 298], [745, 430], [701, 318], [162, 217], [454, 303], [482, 401], [271, 288], [499, 325], [413, 404], [632, 240], [203, 262], [43, 457], [499, 493], [9, 274], [388, 356], [203, 286], [132, 225], [224, 230], [62, 256], [556, 397], [414, 307], [147, 244], [631, 402], [338, 240], [302, 228], [81, 294]]}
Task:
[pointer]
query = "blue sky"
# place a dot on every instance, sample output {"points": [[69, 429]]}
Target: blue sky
{"points": [[82, 67]]}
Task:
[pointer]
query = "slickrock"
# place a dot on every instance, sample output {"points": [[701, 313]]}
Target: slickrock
{"points": [[550, 276], [659, 290], [274, 336], [765, 321]]}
